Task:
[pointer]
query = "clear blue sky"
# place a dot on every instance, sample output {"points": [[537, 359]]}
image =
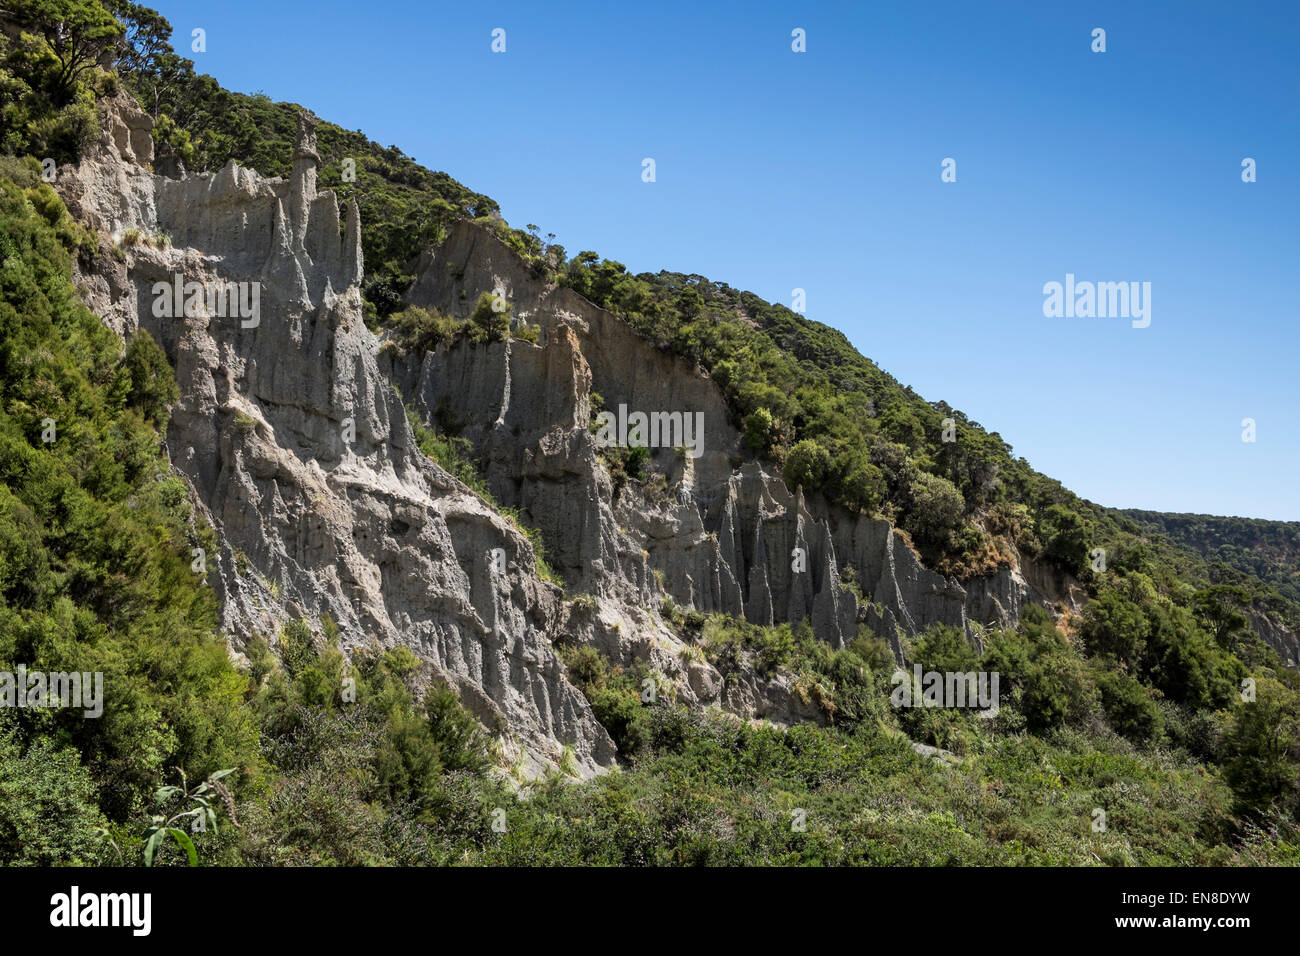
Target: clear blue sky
{"points": [[821, 170]]}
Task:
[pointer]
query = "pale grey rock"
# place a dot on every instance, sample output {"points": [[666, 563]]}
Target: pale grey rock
{"points": [[313, 519], [722, 538], [1277, 635], [937, 754]]}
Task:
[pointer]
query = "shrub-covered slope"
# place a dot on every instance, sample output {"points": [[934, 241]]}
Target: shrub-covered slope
{"points": [[1267, 550]]}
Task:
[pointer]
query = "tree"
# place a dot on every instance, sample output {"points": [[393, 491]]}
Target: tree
{"points": [[153, 386], [1114, 626], [972, 462], [146, 33], [899, 421], [1264, 742], [944, 648], [935, 511], [1185, 664], [1067, 538], [462, 743], [806, 465], [1218, 610], [169, 72], [492, 315], [689, 302], [1058, 691], [1129, 707], [758, 429], [77, 32], [862, 486]]}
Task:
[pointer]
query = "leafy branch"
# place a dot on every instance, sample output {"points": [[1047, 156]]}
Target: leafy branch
{"points": [[199, 811]]}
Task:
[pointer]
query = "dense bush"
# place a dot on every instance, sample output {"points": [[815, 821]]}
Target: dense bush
{"points": [[807, 466], [95, 537], [490, 320], [153, 385], [48, 815], [935, 512], [615, 696], [423, 330], [1129, 707]]}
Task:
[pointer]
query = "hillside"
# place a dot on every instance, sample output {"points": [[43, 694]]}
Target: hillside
{"points": [[1267, 550], [788, 379], [386, 497]]}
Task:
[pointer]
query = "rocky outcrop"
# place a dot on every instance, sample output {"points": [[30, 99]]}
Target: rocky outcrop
{"points": [[724, 534], [299, 451], [131, 132], [1277, 635]]}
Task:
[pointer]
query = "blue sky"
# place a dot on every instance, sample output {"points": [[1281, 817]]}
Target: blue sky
{"points": [[821, 170]]}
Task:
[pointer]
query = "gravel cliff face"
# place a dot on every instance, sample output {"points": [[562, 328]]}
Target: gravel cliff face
{"points": [[725, 534], [297, 448], [300, 453]]}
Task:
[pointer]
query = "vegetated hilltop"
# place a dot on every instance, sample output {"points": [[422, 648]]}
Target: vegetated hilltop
{"points": [[1267, 550], [368, 558]]}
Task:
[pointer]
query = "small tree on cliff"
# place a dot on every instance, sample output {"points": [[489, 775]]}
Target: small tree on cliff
{"points": [[491, 315]]}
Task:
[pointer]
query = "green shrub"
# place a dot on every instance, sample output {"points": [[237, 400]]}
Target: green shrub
{"points": [[758, 429], [935, 512], [1059, 691], [807, 465], [95, 544], [490, 320], [461, 742], [614, 696], [1129, 707], [1263, 747], [423, 330], [943, 648], [153, 386], [48, 815]]}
